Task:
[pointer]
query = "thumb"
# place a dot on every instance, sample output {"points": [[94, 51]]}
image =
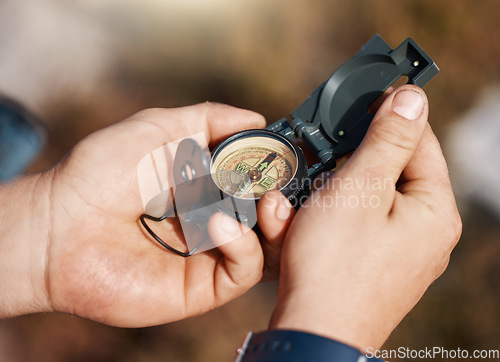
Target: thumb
{"points": [[241, 266], [393, 135]]}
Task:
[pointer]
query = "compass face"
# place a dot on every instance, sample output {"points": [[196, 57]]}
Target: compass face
{"points": [[249, 166]]}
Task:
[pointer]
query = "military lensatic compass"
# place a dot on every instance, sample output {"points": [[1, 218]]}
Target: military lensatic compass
{"points": [[331, 123], [250, 163]]}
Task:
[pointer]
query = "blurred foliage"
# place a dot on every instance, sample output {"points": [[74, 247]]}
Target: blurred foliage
{"points": [[268, 56]]}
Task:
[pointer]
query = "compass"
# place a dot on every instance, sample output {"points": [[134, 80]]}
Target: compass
{"points": [[250, 163], [330, 124]]}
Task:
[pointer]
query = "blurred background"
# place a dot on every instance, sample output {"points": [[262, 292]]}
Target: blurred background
{"points": [[82, 65]]}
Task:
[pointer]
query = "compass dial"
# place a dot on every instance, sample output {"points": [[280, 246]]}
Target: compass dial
{"points": [[246, 167]]}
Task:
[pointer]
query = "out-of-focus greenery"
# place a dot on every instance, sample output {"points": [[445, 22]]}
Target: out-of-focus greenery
{"points": [[268, 56]]}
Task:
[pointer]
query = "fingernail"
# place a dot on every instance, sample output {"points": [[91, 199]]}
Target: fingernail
{"points": [[408, 104], [229, 225], [284, 209]]}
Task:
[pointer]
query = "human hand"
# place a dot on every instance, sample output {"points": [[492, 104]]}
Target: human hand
{"points": [[98, 262], [363, 249]]}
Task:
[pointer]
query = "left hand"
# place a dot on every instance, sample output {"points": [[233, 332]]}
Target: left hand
{"points": [[102, 265]]}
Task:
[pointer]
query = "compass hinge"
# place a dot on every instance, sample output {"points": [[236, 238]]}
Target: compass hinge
{"points": [[282, 127]]}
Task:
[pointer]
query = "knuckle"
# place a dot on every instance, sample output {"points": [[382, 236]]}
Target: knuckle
{"points": [[449, 226], [249, 276], [455, 228], [209, 107], [149, 112], [442, 266], [452, 222]]}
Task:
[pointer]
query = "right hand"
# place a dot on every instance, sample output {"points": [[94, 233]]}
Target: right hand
{"points": [[356, 262]]}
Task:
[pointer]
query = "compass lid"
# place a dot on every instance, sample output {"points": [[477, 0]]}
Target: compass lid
{"points": [[347, 95], [339, 108]]}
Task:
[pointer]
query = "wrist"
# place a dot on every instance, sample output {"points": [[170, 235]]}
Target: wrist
{"points": [[330, 317], [24, 238]]}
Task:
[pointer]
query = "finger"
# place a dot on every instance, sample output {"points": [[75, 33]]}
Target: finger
{"points": [[392, 137], [274, 214], [216, 120], [223, 120], [426, 180], [428, 163], [426, 174], [241, 266]]}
